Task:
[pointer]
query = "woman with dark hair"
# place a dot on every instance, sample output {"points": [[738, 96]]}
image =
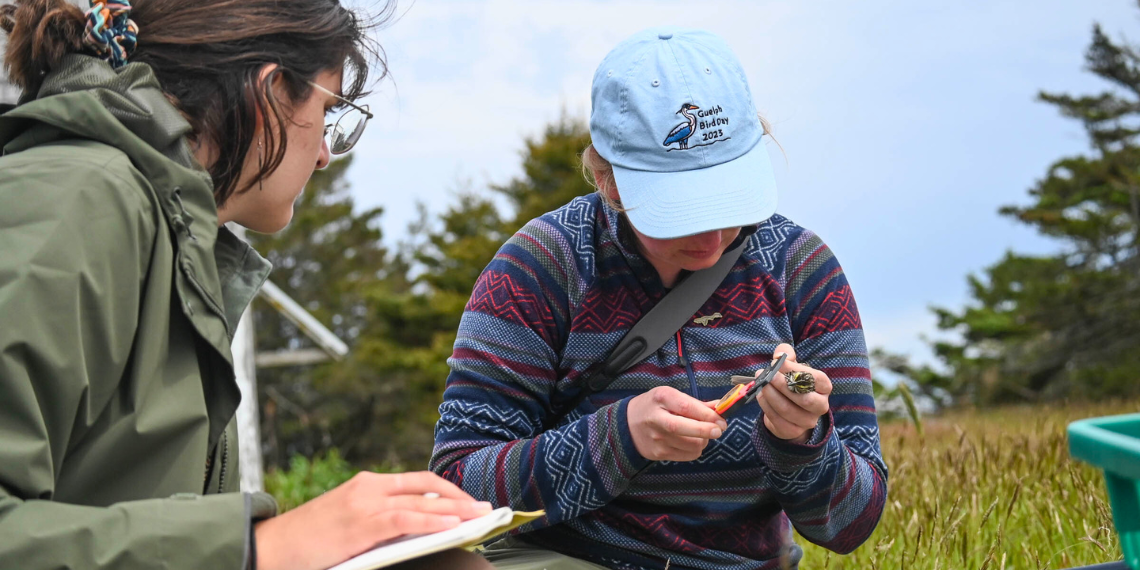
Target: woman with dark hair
{"points": [[141, 130]]}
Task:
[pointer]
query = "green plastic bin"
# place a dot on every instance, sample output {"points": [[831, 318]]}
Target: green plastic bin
{"points": [[1113, 444]]}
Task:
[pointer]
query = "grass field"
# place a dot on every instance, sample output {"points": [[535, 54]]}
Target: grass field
{"points": [[987, 490], [977, 490]]}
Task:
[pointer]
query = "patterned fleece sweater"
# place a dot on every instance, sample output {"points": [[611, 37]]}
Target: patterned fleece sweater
{"points": [[550, 306]]}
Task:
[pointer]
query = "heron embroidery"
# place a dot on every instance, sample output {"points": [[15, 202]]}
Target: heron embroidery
{"points": [[681, 133], [708, 319]]}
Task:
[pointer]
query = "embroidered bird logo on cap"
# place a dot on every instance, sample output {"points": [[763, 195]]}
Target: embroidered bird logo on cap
{"points": [[681, 133]]}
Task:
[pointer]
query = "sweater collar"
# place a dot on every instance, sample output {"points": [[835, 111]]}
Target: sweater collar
{"points": [[620, 231]]}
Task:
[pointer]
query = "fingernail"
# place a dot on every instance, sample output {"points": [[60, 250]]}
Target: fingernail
{"points": [[484, 506], [451, 520], [723, 424], [715, 433]]}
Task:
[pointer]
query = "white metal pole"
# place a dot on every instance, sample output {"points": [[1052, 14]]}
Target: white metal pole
{"points": [[248, 417], [308, 324]]}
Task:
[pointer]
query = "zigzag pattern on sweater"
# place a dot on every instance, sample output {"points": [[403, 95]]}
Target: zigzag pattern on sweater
{"points": [[744, 301], [837, 311], [604, 311], [771, 244], [497, 294], [565, 468]]}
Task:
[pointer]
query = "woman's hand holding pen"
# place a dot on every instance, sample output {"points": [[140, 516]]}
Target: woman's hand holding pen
{"points": [[788, 415]]}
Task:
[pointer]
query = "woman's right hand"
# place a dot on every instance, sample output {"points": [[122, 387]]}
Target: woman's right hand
{"points": [[667, 424], [354, 517]]}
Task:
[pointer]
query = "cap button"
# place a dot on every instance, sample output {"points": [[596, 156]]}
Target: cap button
{"points": [[664, 36]]}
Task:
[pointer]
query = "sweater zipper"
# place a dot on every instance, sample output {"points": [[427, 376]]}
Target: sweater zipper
{"points": [[688, 366]]}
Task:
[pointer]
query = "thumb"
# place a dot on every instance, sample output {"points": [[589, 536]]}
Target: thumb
{"points": [[787, 349]]}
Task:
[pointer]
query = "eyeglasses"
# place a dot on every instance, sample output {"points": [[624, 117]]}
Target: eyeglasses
{"points": [[342, 134]]}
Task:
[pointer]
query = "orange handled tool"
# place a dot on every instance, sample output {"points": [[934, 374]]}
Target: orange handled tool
{"points": [[733, 396], [747, 392]]}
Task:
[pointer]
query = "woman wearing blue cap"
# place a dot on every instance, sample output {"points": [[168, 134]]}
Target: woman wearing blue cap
{"points": [[641, 470]]}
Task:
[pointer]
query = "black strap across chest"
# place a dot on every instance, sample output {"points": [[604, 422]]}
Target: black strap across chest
{"points": [[654, 329]]}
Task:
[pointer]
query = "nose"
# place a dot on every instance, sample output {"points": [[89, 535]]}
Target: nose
{"points": [[325, 156]]}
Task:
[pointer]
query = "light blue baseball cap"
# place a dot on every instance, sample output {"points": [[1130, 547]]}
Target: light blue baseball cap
{"points": [[673, 114]]}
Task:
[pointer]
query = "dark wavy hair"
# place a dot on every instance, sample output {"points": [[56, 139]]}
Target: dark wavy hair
{"points": [[208, 56]]}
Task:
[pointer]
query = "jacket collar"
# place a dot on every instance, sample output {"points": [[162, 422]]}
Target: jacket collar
{"points": [[241, 271]]}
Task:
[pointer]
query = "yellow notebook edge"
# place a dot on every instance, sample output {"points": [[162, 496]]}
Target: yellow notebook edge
{"points": [[518, 518]]}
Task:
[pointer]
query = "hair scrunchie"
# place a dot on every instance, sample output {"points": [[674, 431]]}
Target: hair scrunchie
{"points": [[111, 34]]}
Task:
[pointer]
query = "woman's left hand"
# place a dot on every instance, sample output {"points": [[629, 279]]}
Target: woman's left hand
{"points": [[788, 415]]}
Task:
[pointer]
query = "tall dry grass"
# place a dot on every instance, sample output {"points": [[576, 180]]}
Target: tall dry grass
{"points": [[987, 490]]}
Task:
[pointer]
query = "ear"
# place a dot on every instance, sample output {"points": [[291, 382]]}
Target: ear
{"points": [[278, 86], [265, 71], [606, 184]]}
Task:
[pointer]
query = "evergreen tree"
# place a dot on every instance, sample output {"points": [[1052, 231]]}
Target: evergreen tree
{"points": [[450, 258], [552, 173], [332, 262], [1065, 324], [381, 403]]}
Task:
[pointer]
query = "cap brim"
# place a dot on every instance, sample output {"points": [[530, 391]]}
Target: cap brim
{"points": [[666, 205]]}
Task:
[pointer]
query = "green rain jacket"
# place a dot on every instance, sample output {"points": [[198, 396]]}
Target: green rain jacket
{"points": [[119, 296]]}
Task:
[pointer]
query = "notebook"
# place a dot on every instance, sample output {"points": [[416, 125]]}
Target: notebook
{"points": [[467, 534]]}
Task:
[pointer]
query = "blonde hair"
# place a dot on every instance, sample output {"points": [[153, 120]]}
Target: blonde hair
{"points": [[600, 173]]}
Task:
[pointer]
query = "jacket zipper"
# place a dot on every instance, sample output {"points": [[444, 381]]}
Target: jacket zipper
{"points": [[224, 443], [688, 366], [225, 462], [206, 475]]}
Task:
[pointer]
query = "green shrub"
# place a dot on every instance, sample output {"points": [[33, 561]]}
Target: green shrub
{"points": [[307, 479]]}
